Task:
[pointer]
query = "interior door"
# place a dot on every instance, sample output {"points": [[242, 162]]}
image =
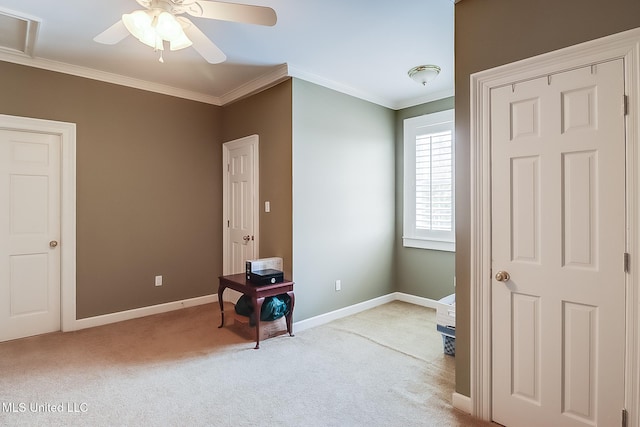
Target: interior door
{"points": [[558, 244], [29, 234], [241, 202]]}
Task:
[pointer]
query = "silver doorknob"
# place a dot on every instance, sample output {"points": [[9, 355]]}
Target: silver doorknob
{"points": [[53, 244], [502, 276]]}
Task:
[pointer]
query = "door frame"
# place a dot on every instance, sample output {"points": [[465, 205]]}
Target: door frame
{"points": [[67, 133], [253, 142], [625, 45]]}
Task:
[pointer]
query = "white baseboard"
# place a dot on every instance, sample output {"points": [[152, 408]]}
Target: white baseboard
{"points": [[120, 316], [412, 299], [365, 305], [461, 402], [342, 312], [321, 319]]}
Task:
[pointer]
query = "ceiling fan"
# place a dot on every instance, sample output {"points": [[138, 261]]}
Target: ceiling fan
{"points": [[159, 22]]}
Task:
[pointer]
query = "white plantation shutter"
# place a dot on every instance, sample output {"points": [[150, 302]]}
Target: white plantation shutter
{"points": [[429, 182], [434, 181]]}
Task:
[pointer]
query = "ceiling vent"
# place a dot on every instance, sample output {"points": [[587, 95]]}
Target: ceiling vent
{"points": [[17, 32]]}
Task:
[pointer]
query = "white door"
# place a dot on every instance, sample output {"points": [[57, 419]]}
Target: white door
{"points": [[241, 201], [29, 234], [558, 230]]}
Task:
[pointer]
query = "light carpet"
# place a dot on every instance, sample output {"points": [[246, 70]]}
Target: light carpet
{"points": [[381, 367]]}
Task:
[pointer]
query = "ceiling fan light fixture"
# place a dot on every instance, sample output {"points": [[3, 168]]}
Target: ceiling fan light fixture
{"points": [[180, 42], [168, 27], [163, 21], [172, 30], [139, 24], [424, 74], [151, 28]]}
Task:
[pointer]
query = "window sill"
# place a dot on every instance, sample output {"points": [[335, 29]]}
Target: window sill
{"points": [[435, 245]]}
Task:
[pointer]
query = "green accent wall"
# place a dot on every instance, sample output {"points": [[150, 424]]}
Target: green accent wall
{"points": [[421, 272], [343, 199]]}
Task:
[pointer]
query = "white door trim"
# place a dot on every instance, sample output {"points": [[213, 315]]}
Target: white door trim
{"points": [[252, 141], [67, 133], [624, 45]]}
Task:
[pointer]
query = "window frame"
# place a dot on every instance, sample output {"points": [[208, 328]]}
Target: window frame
{"points": [[411, 236]]}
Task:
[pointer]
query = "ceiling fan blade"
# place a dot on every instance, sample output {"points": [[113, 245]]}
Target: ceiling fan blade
{"points": [[112, 35], [201, 42], [234, 12]]}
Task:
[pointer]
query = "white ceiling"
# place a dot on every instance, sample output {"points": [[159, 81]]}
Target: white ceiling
{"points": [[360, 47]]}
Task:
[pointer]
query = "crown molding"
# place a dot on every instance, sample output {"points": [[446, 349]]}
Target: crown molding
{"points": [[339, 87], [263, 82], [330, 84], [103, 76], [435, 96]]}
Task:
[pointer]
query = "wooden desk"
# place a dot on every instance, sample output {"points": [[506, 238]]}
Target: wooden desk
{"points": [[239, 282]]}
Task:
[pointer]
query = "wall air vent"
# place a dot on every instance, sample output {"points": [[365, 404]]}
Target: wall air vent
{"points": [[17, 32]]}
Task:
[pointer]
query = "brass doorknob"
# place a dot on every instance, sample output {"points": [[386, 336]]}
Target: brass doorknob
{"points": [[53, 244], [502, 276]]}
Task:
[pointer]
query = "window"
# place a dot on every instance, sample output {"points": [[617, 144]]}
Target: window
{"points": [[429, 182]]}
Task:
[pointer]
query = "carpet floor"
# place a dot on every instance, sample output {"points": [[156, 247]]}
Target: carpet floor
{"points": [[380, 367]]}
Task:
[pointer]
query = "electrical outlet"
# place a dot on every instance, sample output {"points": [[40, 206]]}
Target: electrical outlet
{"points": [[338, 285], [158, 280]]}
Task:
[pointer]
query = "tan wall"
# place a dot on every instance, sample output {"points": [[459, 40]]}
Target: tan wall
{"points": [[496, 32], [148, 186], [268, 114]]}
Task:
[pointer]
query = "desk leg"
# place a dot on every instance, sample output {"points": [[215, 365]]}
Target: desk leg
{"points": [[289, 317], [221, 289], [257, 310]]}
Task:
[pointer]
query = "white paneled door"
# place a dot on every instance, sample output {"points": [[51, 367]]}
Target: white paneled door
{"points": [[558, 245], [241, 202], [29, 234]]}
